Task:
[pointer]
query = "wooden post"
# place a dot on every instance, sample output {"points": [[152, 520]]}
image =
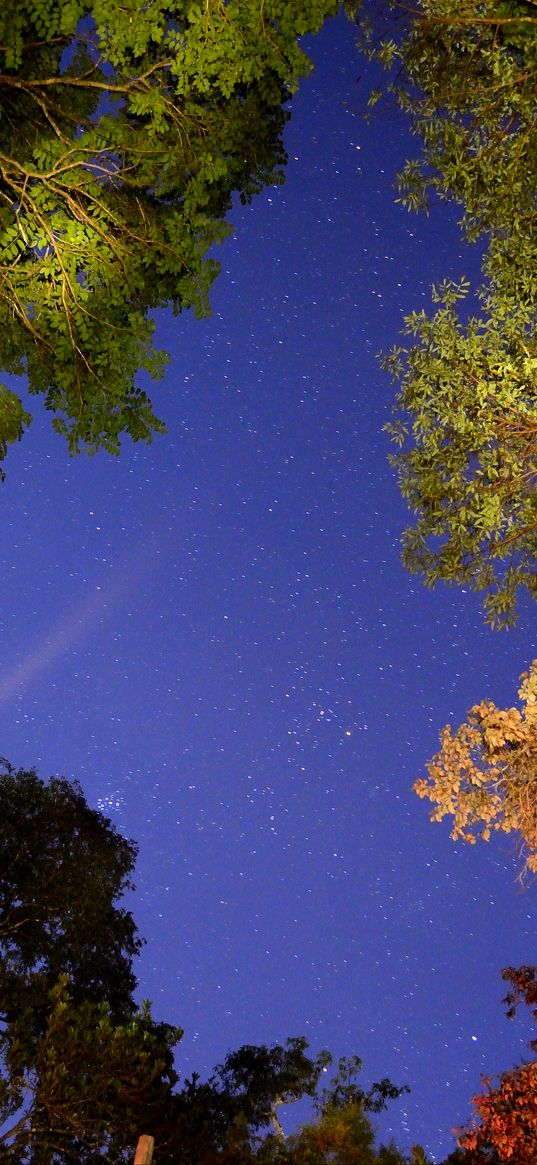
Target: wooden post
{"points": [[144, 1150]]}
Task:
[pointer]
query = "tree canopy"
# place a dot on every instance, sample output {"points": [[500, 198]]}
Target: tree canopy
{"points": [[84, 1070], [87, 1088], [63, 871], [485, 774], [124, 132], [79, 1061], [466, 409]]}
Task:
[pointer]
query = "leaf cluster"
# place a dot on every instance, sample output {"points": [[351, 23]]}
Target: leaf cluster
{"points": [[485, 774], [467, 465], [90, 1083], [342, 1132], [125, 130], [80, 1063], [505, 1124], [507, 1116], [503, 1127], [64, 869], [466, 410]]}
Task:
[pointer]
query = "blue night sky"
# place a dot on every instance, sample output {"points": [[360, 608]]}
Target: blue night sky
{"points": [[215, 635]]}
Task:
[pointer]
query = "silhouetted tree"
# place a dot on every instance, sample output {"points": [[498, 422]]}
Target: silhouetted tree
{"points": [[83, 1069]]}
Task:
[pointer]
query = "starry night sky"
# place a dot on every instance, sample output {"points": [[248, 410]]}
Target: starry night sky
{"points": [[215, 636]]}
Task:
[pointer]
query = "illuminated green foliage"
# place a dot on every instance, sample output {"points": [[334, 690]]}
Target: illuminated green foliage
{"points": [[467, 428], [124, 132], [90, 1086], [466, 409]]}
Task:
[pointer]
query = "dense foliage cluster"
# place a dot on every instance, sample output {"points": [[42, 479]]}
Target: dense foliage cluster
{"points": [[77, 1056], [466, 406], [505, 1128], [124, 132], [485, 774], [64, 869]]}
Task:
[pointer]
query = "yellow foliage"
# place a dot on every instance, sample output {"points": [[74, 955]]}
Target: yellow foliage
{"points": [[485, 774]]}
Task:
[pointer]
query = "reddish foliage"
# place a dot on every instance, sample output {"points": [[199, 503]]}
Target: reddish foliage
{"points": [[507, 1112], [508, 1117], [523, 982]]}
